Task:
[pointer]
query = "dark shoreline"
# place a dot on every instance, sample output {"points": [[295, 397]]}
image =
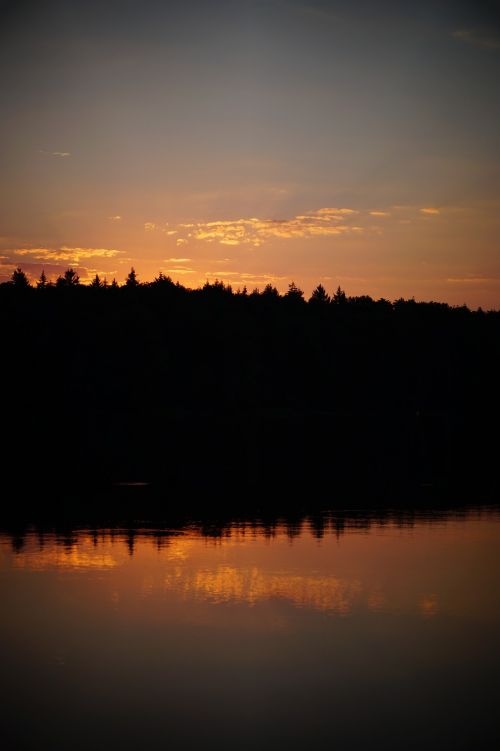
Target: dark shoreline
{"points": [[133, 507], [243, 400]]}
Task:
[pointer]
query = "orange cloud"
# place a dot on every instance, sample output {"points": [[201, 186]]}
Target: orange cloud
{"points": [[470, 280], [65, 253], [181, 270], [323, 222]]}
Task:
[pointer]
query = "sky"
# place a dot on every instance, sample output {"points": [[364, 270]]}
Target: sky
{"points": [[255, 141]]}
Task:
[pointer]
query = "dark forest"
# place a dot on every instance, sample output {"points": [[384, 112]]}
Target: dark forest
{"points": [[254, 395]]}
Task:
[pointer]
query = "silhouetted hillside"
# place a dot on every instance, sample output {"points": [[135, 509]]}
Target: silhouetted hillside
{"points": [[255, 395]]}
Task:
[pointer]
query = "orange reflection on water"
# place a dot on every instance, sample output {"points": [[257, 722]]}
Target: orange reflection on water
{"points": [[230, 584], [61, 558], [378, 568], [208, 634], [429, 606]]}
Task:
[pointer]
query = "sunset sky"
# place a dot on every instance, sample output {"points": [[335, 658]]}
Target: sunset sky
{"points": [[254, 141]]}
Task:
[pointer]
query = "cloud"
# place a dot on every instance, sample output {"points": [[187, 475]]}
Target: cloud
{"points": [[334, 212], [65, 253], [242, 279], [181, 270], [60, 154], [478, 37], [326, 221], [430, 211], [103, 273], [116, 218], [262, 277], [33, 269], [323, 222], [218, 274], [154, 227], [177, 260], [471, 280]]}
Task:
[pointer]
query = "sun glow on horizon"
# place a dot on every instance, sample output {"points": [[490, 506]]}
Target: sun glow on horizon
{"points": [[288, 143], [328, 245]]}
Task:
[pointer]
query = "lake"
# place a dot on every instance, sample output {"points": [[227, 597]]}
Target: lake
{"points": [[345, 631]]}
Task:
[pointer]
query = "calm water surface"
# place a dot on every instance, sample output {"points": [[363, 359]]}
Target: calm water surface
{"points": [[345, 634]]}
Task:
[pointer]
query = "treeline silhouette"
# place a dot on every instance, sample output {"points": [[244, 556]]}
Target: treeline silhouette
{"points": [[246, 395], [292, 523]]}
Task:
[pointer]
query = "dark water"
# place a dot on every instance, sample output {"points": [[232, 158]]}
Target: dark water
{"points": [[354, 634]]}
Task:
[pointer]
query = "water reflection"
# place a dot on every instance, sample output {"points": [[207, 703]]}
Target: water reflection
{"points": [[344, 631], [251, 585], [334, 563]]}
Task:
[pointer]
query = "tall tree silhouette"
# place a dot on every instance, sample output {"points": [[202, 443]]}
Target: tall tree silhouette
{"points": [[70, 279], [340, 297], [132, 280], [320, 296], [270, 292], [96, 282], [42, 281], [163, 282], [19, 278], [294, 294]]}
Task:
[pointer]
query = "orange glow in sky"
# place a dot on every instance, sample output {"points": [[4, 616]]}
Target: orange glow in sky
{"points": [[255, 143]]}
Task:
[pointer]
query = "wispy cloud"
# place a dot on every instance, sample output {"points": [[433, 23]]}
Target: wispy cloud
{"points": [[430, 211], [334, 212], [60, 154], [242, 279], [379, 213], [154, 227], [116, 218], [471, 279], [177, 260], [478, 37], [65, 253], [181, 270], [222, 274], [245, 277], [323, 222]]}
